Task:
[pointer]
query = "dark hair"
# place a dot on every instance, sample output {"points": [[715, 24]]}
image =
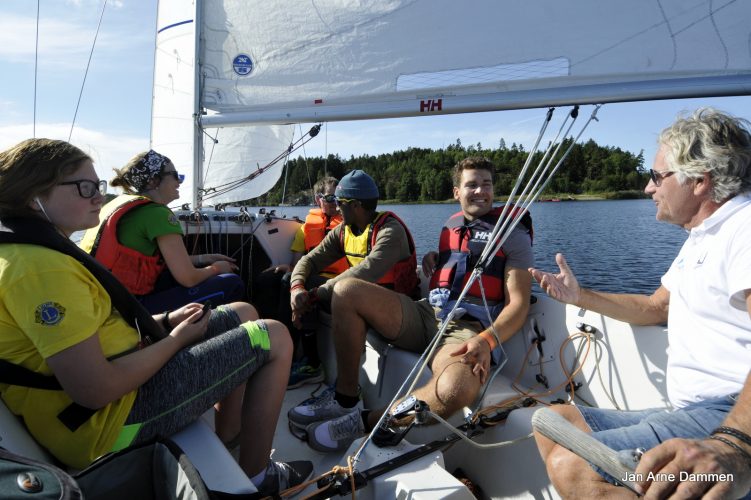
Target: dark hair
{"points": [[32, 168], [123, 174], [471, 163]]}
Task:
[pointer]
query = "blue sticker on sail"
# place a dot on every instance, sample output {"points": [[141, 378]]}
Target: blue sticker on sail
{"points": [[242, 64], [49, 313]]}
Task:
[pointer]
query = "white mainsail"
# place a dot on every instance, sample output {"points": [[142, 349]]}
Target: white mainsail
{"points": [[350, 59], [286, 62]]}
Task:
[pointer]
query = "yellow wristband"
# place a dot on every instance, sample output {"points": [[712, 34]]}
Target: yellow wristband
{"points": [[489, 338]]}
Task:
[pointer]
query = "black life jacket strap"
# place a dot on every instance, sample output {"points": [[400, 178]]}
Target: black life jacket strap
{"points": [[35, 231], [73, 416]]}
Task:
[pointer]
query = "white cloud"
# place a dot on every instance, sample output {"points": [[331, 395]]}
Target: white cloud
{"points": [[108, 150]]}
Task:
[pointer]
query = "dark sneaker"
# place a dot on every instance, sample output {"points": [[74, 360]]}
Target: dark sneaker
{"points": [[302, 374], [318, 409], [284, 475], [336, 434]]}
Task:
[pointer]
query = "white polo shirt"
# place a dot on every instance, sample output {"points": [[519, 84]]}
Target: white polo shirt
{"points": [[709, 327]]}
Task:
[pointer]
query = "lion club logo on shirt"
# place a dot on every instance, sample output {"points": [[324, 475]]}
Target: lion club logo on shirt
{"points": [[49, 313]]}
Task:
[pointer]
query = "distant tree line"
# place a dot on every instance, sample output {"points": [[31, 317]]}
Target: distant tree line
{"points": [[424, 175]]}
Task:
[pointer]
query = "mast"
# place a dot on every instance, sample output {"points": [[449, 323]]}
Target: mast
{"points": [[197, 127]]}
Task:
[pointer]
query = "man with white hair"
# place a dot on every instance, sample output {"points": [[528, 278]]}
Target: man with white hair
{"points": [[700, 181]]}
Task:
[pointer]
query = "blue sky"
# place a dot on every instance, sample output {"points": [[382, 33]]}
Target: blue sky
{"points": [[114, 115]]}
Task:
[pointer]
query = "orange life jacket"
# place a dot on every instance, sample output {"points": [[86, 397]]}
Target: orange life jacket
{"points": [[317, 226], [138, 272], [402, 277], [459, 248]]}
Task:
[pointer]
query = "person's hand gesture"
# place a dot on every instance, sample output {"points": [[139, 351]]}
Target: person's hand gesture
{"points": [[225, 266], [192, 325], [475, 352], [429, 261], [562, 286], [299, 301], [182, 313], [210, 258]]}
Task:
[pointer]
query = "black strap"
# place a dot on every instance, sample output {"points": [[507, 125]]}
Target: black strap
{"points": [[35, 231], [73, 416], [13, 374], [30, 230]]}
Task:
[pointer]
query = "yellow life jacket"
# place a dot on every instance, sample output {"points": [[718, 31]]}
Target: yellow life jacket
{"points": [[402, 277]]}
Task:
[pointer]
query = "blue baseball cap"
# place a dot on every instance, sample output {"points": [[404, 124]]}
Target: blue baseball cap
{"points": [[357, 185]]}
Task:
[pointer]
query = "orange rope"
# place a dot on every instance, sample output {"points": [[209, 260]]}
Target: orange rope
{"points": [[536, 396]]}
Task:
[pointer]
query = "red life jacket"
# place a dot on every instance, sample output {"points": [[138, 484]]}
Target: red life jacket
{"points": [[402, 277], [459, 248], [317, 226], [138, 272]]}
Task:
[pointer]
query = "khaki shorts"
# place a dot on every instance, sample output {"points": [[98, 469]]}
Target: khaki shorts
{"points": [[419, 326]]}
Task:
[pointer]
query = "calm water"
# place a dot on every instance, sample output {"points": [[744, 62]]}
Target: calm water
{"points": [[615, 246]]}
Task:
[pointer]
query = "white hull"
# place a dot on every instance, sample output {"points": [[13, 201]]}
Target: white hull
{"points": [[631, 375]]}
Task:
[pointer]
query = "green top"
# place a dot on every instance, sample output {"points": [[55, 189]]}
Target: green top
{"points": [[139, 228]]}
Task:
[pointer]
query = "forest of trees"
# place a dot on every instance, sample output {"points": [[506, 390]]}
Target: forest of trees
{"points": [[424, 175]]}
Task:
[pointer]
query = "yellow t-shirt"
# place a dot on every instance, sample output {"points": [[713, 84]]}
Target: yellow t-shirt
{"points": [[298, 243], [48, 303]]}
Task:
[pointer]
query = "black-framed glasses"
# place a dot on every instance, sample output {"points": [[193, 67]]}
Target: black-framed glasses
{"points": [[657, 176], [173, 173], [328, 198], [87, 188], [341, 201]]}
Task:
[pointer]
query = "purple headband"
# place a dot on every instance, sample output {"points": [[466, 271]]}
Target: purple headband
{"points": [[147, 168]]}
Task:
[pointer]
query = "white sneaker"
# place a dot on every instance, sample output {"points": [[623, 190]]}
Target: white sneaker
{"points": [[336, 434], [323, 407]]}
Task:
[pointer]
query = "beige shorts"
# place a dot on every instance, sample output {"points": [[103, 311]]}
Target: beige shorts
{"points": [[419, 326]]}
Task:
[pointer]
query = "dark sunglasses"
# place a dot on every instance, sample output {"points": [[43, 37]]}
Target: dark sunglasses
{"points": [[173, 173], [87, 188], [658, 176], [328, 198], [341, 201]]}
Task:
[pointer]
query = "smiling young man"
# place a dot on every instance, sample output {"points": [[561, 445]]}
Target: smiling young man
{"points": [[700, 181], [461, 364]]}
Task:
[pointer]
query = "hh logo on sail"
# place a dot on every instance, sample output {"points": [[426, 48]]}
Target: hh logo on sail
{"points": [[431, 105]]}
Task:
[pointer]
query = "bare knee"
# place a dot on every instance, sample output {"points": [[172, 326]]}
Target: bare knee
{"points": [[245, 311], [564, 467], [346, 290]]}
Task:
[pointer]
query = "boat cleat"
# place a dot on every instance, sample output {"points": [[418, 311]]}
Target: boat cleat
{"points": [[390, 434]]}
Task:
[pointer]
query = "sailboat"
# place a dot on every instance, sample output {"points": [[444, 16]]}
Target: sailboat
{"points": [[232, 78]]}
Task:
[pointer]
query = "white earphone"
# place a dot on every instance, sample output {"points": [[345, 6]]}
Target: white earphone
{"points": [[39, 202]]}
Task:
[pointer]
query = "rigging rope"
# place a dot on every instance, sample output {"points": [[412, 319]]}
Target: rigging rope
{"points": [[208, 193], [36, 70], [85, 74], [500, 233]]}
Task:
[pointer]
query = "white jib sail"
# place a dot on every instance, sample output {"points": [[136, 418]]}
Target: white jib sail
{"points": [[209, 157]]}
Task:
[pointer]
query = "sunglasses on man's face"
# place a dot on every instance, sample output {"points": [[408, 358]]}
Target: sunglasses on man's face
{"points": [[328, 198], [657, 176], [87, 188], [342, 201], [173, 173]]}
